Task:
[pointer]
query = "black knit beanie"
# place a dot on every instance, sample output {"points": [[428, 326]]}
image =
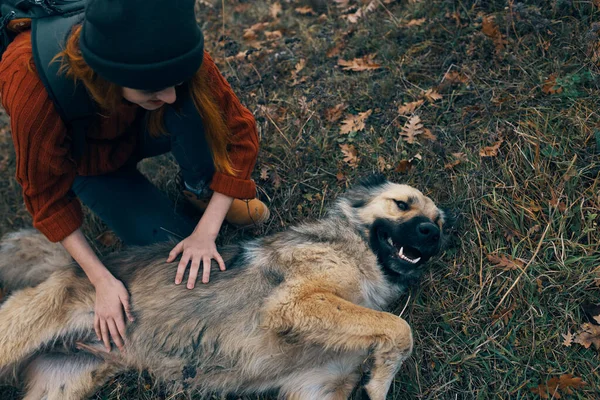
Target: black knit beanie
{"points": [[142, 44]]}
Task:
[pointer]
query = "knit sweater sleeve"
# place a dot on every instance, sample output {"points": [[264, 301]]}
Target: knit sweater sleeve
{"points": [[44, 169], [243, 150]]}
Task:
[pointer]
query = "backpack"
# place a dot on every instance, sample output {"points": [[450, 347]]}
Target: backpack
{"points": [[51, 22]]}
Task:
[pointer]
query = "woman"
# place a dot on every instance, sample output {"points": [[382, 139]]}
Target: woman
{"points": [[144, 65]]}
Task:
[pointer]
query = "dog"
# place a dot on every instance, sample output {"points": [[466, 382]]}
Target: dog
{"points": [[301, 312]]}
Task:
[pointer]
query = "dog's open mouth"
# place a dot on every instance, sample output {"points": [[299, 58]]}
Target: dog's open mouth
{"points": [[403, 252]]}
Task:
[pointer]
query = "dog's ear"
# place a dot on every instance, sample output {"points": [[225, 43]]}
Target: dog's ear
{"points": [[372, 181]]}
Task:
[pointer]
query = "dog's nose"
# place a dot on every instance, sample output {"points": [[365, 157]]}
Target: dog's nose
{"points": [[428, 232]]}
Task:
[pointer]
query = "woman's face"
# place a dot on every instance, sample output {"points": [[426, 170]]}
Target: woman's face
{"points": [[150, 100]]}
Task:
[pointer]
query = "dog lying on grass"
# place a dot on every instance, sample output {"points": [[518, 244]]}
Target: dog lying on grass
{"points": [[298, 311]]}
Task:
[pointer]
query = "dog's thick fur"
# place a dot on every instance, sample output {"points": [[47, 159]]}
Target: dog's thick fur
{"points": [[296, 312]]}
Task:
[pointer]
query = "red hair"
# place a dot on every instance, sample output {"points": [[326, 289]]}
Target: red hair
{"points": [[109, 95]]}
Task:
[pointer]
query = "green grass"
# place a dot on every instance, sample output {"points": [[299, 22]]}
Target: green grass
{"points": [[481, 332]]}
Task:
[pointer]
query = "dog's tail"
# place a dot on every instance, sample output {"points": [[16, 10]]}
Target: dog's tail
{"points": [[27, 258]]}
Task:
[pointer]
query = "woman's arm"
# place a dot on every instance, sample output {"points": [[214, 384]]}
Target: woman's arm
{"points": [[111, 296], [200, 245]]}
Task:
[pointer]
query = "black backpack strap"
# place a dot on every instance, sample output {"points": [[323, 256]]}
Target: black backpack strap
{"points": [[71, 99]]}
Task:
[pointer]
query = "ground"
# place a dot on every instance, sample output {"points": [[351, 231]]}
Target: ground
{"points": [[507, 140]]}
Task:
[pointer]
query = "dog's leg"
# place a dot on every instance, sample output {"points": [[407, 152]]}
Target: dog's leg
{"points": [[322, 318], [334, 380], [35, 316], [56, 376]]}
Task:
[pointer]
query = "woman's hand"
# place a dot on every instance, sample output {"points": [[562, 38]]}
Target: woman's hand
{"points": [[111, 299], [196, 248]]}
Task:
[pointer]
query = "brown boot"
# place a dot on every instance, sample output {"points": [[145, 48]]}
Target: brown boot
{"points": [[241, 213]]}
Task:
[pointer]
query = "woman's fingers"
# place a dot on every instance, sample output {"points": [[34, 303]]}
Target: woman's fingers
{"points": [[185, 258], [126, 306], [97, 327], [175, 252], [114, 333], [206, 270], [220, 261], [105, 334], [193, 272]]}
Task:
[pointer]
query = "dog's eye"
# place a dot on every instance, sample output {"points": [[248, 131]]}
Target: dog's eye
{"points": [[402, 205]]}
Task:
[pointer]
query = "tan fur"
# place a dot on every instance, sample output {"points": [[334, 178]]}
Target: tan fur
{"points": [[298, 312]]}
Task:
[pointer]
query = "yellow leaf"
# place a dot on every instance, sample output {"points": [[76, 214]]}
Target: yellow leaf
{"points": [[588, 335], [568, 339], [264, 173]]}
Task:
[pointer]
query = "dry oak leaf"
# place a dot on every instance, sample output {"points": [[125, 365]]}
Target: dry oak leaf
{"points": [[458, 158], [305, 11], [455, 77], [350, 155], [427, 134], [275, 10], [568, 339], [360, 64], [491, 151], [506, 263], [588, 335], [264, 173], [550, 87], [564, 383], [416, 22], [491, 30], [409, 108], [335, 113], [411, 129], [354, 123], [431, 95]]}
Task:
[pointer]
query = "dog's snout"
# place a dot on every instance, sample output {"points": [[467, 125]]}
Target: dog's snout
{"points": [[428, 231]]}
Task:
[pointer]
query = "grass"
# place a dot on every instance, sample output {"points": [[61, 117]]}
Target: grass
{"points": [[529, 80]]}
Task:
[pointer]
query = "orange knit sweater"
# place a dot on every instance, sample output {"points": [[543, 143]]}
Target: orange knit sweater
{"points": [[45, 168]]}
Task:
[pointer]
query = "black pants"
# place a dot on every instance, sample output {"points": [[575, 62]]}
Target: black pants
{"points": [[136, 210]]}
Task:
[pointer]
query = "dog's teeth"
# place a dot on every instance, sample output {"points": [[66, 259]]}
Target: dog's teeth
{"points": [[390, 241], [416, 260], [401, 252]]}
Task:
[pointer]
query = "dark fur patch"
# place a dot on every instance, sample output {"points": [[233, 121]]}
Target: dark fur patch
{"points": [[274, 277], [189, 372], [373, 181]]}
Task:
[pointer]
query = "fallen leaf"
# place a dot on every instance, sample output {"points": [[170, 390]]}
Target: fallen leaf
{"points": [[354, 123], [568, 339], [551, 388], [350, 155], [458, 158], [588, 335], [491, 151], [431, 95], [416, 22], [335, 113], [335, 51], [275, 10], [491, 30], [273, 35], [409, 108], [365, 63], [506, 263], [550, 86], [305, 10], [403, 166], [264, 173], [382, 165], [411, 129]]}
